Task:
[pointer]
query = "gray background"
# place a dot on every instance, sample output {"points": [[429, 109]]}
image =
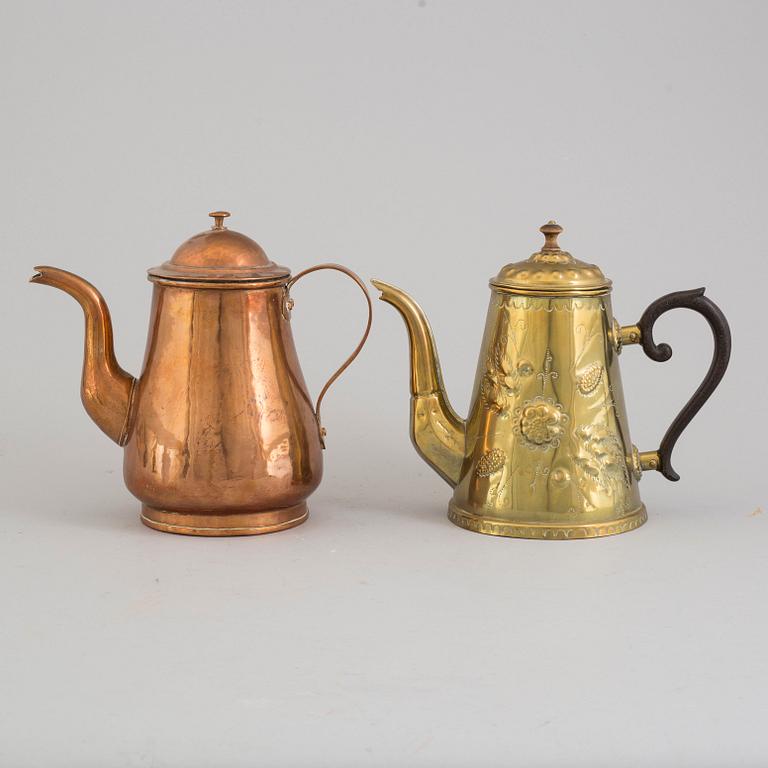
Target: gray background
{"points": [[422, 142]]}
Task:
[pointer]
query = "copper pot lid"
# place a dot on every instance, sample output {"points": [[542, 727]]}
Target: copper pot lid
{"points": [[552, 270], [220, 254]]}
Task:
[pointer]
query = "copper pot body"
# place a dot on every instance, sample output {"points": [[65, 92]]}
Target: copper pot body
{"points": [[223, 435], [220, 435]]}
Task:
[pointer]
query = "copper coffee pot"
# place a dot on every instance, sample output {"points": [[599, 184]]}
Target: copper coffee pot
{"points": [[220, 435], [545, 452]]}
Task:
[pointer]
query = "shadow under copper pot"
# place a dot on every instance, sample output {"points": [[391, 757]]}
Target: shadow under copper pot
{"points": [[221, 437]]}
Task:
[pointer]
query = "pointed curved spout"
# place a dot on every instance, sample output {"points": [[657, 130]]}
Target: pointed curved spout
{"points": [[106, 389], [436, 431]]}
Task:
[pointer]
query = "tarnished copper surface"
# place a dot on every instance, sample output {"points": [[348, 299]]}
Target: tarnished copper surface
{"points": [[241, 434], [222, 255], [220, 434], [106, 389]]}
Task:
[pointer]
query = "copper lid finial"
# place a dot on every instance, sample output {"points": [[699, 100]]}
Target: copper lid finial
{"points": [[550, 231], [218, 218], [220, 255]]}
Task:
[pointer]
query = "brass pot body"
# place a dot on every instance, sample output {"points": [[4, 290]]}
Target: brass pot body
{"points": [[548, 452], [223, 438], [545, 451]]}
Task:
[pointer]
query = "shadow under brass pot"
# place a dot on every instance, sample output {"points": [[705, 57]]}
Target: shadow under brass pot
{"points": [[221, 437]]}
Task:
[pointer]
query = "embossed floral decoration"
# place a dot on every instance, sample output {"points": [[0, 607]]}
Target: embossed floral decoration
{"points": [[541, 423]]}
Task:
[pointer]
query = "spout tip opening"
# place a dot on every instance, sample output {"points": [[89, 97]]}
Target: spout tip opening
{"points": [[46, 275], [382, 287]]}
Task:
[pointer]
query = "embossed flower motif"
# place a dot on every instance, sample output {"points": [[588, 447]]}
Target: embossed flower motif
{"points": [[541, 423]]}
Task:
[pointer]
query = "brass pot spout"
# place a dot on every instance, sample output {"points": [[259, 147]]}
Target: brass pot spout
{"points": [[437, 432]]}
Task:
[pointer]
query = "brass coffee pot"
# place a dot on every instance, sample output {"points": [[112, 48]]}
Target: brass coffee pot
{"points": [[220, 435], [545, 452]]}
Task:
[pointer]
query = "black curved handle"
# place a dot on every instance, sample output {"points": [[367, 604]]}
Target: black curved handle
{"points": [[698, 302]]}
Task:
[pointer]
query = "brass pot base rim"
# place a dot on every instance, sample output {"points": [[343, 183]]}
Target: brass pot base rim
{"points": [[236, 524], [522, 530]]}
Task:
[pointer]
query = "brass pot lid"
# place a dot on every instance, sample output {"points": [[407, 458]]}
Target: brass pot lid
{"points": [[552, 270], [220, 254]]}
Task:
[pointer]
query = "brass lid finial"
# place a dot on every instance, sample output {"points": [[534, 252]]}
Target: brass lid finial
{"points": [[552, 271], [550, 231], [218, 218]]}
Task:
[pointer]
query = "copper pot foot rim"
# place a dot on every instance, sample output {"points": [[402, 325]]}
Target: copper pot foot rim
{"points": [[212, 524], [523, 530]]}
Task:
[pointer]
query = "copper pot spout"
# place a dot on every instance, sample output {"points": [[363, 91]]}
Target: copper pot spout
{"points": [[106, 389]]}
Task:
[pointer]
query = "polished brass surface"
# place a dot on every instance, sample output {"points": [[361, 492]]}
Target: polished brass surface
{"points": [[545, 451], [648, 460], [629, 334], [494, 527], [551, 271], [437, 432], [220, 434]]}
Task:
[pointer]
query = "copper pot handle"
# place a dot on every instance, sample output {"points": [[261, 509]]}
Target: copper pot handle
{"points": [[288, 304]]}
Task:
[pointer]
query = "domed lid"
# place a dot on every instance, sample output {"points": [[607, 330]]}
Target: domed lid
{"points": [[220, 255], [552, 270]]}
